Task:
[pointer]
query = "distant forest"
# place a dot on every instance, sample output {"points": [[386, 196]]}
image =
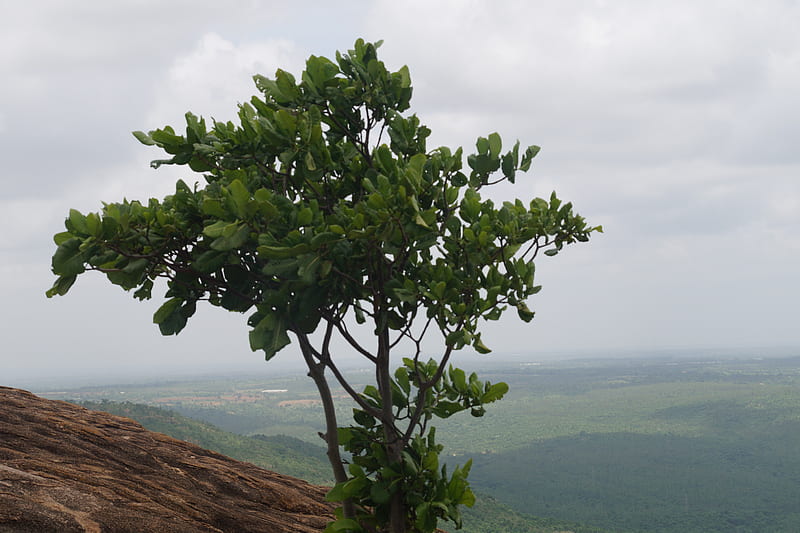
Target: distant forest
{"points": [[668, 445]]}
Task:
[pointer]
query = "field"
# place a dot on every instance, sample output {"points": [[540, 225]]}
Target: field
{"points": [[665, 445]]}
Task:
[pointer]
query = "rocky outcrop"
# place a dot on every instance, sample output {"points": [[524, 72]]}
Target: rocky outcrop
{"points": [[66, 469]]}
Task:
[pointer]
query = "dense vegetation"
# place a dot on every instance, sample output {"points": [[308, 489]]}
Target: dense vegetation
{"points": [[664, 483], [668, 445], [664, 446]]}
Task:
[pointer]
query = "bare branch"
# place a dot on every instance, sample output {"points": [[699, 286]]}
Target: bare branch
{"points": [[327, 360], [342, 329]]}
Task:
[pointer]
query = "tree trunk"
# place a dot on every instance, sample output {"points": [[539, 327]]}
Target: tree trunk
{"points": [[316, 371], [393, 440]]}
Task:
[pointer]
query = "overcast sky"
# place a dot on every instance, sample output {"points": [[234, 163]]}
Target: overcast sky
{"points": [[675, 125]]}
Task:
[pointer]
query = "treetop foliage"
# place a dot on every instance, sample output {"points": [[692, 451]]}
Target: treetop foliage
{"points": [[321, 200]]}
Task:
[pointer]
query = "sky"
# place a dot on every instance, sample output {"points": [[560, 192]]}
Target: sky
{"points": [[674, 125]]}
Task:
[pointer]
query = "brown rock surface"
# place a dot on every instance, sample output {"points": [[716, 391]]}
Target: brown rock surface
{"points": [[66, 469]]}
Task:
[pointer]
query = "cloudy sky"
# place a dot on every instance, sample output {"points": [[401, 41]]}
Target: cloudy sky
{"points": [[675, 125]]}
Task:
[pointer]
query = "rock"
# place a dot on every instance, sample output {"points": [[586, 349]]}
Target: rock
{"points": [[67, 469]]}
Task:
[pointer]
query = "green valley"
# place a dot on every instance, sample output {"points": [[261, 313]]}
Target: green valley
{"points": [[668, 444]]}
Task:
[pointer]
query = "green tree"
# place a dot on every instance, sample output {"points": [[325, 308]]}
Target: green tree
{"points": [[323, 212]]}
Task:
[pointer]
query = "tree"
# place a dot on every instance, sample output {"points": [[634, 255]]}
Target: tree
{"points": [[322, 213]]}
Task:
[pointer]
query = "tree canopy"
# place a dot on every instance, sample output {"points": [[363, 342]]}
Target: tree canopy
{"points": [[321, 211]]}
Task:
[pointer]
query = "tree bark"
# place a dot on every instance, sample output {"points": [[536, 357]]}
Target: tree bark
{"points": [[393, 440], [316, 371]]}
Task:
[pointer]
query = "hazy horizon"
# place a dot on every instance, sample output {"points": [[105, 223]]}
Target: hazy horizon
{"points": [[268, 370]]}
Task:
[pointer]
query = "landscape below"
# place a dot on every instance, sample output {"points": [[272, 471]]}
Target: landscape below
{"points": [[672, 444]]}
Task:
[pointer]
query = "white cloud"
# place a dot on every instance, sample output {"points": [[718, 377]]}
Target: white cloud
{"points": [[630, 81], [216, 75]]}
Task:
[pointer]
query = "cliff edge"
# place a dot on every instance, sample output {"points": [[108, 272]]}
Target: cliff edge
{"points": [[67, 469]]}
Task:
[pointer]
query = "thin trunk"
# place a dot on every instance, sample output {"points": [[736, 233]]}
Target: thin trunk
{"points": [[394, 442], [316, 371]]}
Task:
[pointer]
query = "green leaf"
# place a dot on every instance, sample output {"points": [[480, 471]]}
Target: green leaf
{"points": [[172, 316], [495, 392], [240, 196], [326, 237], [232, 238], [308, 266], [371, 392], [166, 309], [508, 165], [166, 137], [401, 376], [414, 169], [286, 85], [376, 201], [364, 419], [359, 313], [405, 77], [353, 487], [270, 335], [143, 138], [286, 121], [93, 225], [524, 313], [61, 286], [458, 339], [459, 379], [68, 259], [467, 498], [77, 222], [530, 153], [446, 409], [61, 238], [336, 494], [282, 252], [483, 164], [495, 144], [379, 494], [431, 461], [482, 144], [136, 267], [213, 208], [216, 229], [310, 163], [281, 267], [459, 179], [145, 291], [210, 261], [305, 216], [480, 347]]}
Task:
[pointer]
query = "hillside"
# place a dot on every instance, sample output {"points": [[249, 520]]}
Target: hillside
{"points": [[282, 454], [301, 459], [64, 469]]}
